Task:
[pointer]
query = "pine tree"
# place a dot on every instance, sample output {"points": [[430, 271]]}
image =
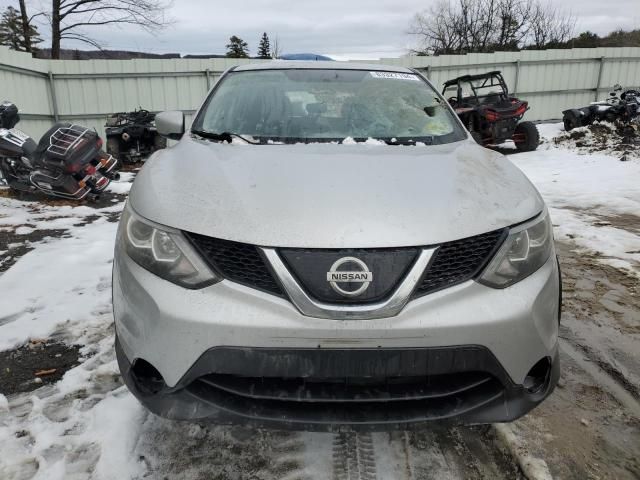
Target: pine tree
{"points": [[264, 49], [237, 48], [12, 33]]}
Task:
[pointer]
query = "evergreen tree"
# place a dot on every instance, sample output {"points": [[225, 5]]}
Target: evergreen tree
{"points": [[264, 49], [237, 48], [12, 32]]}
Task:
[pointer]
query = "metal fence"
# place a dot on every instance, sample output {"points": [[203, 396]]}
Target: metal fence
{"points": [[87, 91], [551, 80]]}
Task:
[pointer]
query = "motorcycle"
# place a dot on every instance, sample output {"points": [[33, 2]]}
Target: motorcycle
{"points": [[622, 105], [68, 161]]}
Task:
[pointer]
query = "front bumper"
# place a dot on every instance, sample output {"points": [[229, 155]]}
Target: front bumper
{"points": [[189, 336], [464, 385]]}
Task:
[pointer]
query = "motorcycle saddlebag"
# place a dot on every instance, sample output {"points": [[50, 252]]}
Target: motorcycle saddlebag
{"points": [[73, 144], [59, 184]]}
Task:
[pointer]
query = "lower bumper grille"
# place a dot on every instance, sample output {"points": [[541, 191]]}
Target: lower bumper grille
{"points": [[393, 400], [347, 390]]}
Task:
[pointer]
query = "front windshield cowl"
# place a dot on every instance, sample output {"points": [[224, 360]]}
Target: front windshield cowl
{"points": [[285, 106]]}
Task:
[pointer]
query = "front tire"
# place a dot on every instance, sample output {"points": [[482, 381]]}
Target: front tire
{"points": [[528, 137]]}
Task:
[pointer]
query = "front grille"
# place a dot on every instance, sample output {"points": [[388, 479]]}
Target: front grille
{"points": [[453, 263], [238, 262], [459, 261], [388, 266]]}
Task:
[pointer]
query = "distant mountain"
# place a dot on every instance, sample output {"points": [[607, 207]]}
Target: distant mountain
{"points": [[67, 54], [212, 55]]}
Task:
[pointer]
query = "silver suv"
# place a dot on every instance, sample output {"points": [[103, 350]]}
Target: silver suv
{"points": [[326, 247]]}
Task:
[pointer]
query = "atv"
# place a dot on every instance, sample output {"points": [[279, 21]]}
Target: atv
{"points": [[132, 136], [492, 116]]}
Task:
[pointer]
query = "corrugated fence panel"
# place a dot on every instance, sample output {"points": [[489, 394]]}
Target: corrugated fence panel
{"points": [[25, 83], [88, 91]]}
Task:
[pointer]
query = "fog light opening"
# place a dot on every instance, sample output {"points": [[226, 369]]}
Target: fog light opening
{"points": [[148, 379], [538, 377]]}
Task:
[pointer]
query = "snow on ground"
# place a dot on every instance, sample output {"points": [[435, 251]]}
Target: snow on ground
{"points": [[62, 290], [54, 288], [88, 426], [48, 289], [589, 196]]}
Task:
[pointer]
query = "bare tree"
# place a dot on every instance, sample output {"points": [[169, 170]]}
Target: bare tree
{"points": [[456, 26], [70, 18], [550, 27], [26, 27], [514, 23], [276, 47], [464, 26], [437, 29]]}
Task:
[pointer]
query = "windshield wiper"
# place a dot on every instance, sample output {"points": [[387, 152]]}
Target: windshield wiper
{"points": [[223, 137], [393, 141], [427, 140]]}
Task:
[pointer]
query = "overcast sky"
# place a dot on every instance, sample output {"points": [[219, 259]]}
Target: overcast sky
{"points": [[344, 29]]}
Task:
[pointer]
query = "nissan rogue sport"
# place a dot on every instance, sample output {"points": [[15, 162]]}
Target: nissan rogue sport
{"points": [[326, 247]]}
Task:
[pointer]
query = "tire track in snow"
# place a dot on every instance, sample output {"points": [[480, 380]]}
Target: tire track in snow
{"points": [[354, 457], [432, 453]]}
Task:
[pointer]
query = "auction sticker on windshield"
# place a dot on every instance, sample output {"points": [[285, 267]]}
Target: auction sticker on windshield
{"points": [[395, 76]]}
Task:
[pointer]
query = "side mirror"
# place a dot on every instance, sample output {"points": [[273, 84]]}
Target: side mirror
{"points": [[170, 124]]}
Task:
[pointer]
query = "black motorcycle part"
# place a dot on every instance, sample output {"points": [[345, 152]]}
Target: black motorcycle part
{"points": [[9, 117]]}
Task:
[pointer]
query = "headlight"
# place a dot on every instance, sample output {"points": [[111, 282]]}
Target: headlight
{"points": [[525, 250], [163, 251]]}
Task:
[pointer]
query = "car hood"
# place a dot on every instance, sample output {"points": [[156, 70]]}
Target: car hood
{"points": [[331, 195]]}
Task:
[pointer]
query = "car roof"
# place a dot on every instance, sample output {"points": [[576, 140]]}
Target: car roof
{"points": [[313, 65], [304, 56]]}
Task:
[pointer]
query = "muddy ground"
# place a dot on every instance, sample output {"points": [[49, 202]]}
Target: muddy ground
{"points": [[619, 139], [35, 364], [588, 429]]}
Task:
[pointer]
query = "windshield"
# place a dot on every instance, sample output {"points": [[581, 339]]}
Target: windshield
{"points": [[328, 105]]}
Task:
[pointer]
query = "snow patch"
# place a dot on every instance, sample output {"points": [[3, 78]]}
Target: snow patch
{"points": [[53, 287], [122, 186], [582, 189], [532, 467], [24, 230]]}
